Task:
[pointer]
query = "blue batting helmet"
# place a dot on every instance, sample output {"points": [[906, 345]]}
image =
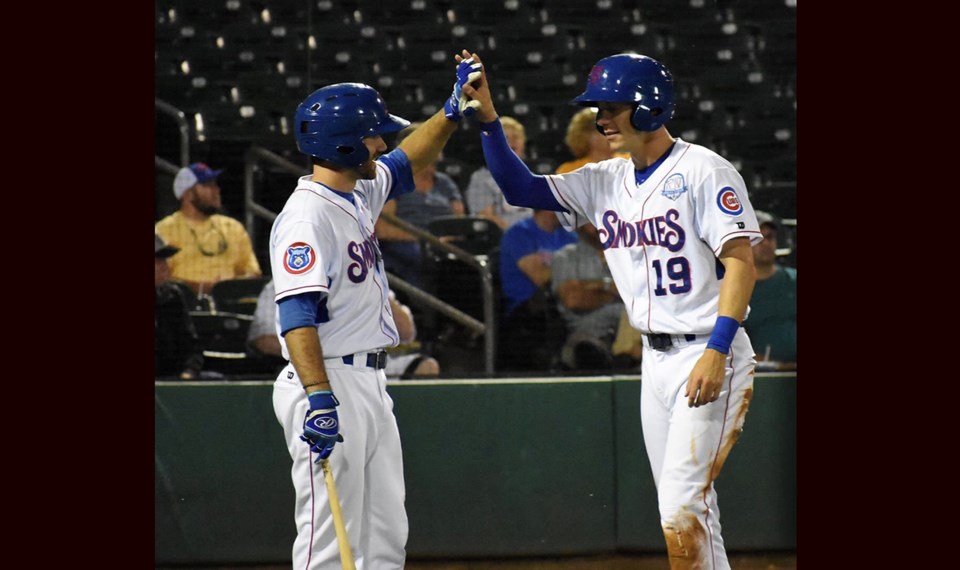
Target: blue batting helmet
{"points": [[331, 123], [636, 79]]}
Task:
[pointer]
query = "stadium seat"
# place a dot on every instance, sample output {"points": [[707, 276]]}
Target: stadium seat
{"points": [[238, 295], [223, 340], [734, 64], [472, 234]]}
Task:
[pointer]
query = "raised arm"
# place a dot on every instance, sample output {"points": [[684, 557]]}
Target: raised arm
{"points": [[520, 186], [423, 146]]}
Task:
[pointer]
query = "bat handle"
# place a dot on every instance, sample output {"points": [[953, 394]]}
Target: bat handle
{"points": [[346, 554]]}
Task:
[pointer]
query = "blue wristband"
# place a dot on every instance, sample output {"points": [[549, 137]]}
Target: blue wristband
{"points": [[723, 333], [322, 400]]}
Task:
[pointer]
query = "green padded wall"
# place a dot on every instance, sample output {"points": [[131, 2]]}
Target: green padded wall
{"points": [[500, 469], [492, 467], [223, 489]]}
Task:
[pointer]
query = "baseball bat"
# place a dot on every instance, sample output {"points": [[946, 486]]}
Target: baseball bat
{"points": [[346, 555]]}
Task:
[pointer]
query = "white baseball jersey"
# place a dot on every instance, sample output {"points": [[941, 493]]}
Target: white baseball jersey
{"points": [[323, 242], [661, 238]]}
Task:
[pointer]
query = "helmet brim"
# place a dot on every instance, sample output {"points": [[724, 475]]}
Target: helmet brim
{"points": [[390, 124], [583, 101]]}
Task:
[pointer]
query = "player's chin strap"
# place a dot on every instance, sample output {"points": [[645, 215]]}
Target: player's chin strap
{"points": [[723, 332]]}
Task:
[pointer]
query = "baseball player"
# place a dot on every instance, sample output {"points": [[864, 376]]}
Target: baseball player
{"points": [[334, 319], [676, 226]]}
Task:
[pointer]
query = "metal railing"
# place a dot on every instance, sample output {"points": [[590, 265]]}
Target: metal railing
{"points": [[165, 166], [182, 126], [257, 155], [481, 264]]}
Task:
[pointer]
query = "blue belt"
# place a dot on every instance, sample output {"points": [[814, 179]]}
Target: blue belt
{"points": [[377, 360], [664, 341]]}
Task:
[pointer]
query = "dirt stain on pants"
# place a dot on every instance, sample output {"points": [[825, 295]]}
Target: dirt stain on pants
{"points": [[732, 437], [686, 542]]}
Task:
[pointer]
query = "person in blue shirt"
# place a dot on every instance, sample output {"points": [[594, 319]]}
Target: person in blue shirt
{"points": [[526, 256], [531, 328]]}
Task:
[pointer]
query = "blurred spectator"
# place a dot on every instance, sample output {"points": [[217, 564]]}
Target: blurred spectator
{"points": [[526, 255], [262, 336], [436, 195], [212, 246], [484, 197], [586, 143], [532, 330], [588, 300], [404, 361], [176, 346], [772, 321], [627, 347]]}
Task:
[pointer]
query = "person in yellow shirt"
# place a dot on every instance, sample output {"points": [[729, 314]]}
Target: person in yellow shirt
{"points": [[213, 247], [586, 142]]}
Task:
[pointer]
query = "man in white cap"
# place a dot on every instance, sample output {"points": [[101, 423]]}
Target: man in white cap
{"points": [[213, 246]]}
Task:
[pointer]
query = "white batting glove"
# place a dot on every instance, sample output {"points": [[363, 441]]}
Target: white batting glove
{"points": [[457, 105]]}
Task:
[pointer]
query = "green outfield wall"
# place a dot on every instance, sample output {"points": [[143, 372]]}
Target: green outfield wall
{"points": [[493, 468]]}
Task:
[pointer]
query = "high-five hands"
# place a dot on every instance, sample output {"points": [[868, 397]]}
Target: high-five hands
{"points": [[457, 105], [478, 91]]}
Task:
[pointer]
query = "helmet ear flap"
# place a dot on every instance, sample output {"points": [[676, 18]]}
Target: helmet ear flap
{"points": [[638, 119], [645, 119], [348, 150]]}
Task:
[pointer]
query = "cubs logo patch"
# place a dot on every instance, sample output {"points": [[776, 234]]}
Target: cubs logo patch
{"points": [[299, 258], [674, 186], [728, 202], [595, 74]]}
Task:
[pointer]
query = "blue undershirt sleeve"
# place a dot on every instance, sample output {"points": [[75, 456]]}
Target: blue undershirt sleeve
{"points": [[520, 186], [399, 166], [298, 311]]}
